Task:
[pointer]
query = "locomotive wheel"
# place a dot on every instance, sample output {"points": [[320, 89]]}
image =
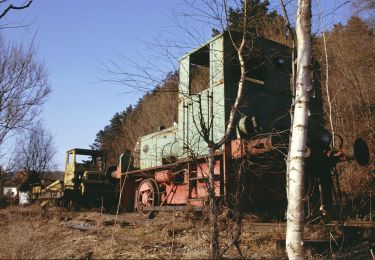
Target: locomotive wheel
{"points": [[147, 196]]}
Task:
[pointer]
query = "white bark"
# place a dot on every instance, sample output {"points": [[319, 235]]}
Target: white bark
{"points": [[329, 101], [295, 212]]}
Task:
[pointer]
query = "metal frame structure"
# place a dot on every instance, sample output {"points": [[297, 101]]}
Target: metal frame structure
{"points": [[173, 169]]}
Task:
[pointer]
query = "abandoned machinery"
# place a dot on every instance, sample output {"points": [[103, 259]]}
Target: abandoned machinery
{"points": [[169, 169]]}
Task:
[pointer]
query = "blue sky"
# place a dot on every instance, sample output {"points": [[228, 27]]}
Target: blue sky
{"points": [[73, 38]]}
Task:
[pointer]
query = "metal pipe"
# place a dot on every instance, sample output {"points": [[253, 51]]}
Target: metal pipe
{"points": [[360, 152]]}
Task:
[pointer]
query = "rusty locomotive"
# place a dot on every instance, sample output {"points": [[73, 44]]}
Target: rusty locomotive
{"points": [[169, 169]]}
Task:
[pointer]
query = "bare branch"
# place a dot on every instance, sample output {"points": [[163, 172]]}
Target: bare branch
{"points": [[23, 88], [12, 7], [34, 151]]}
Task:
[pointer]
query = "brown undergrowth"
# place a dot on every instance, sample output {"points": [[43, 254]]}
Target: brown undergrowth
{"points": [[32, 233], [55, 233]]}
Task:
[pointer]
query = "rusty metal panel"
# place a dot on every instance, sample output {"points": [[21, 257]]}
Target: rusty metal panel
{"points": [[178, 194], [203, 170], [202, 188]]}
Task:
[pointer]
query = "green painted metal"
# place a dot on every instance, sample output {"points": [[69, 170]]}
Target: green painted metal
{"points": [[209, 108], [184, 77], [156, 148], [205, 109], [217, 61]]}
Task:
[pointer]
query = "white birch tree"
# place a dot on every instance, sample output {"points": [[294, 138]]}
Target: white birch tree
{"points": [[295, 211]]}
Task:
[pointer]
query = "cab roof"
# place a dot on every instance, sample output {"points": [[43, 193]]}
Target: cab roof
{"points": [[86, 152]]}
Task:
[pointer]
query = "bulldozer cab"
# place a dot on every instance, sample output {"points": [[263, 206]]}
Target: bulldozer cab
{"points": [[78, 161]]}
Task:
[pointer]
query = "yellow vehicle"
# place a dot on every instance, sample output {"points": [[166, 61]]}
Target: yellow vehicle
{"points": [[85, 182], [54, 191]]}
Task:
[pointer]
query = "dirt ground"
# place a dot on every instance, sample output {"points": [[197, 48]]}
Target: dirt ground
{"points": [[32, 233]]}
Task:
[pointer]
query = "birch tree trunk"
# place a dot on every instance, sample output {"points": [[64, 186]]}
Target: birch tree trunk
{"points": [[295, 212]]}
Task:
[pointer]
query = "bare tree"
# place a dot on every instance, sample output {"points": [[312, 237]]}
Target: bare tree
{"points": [[218, 12], [35, 151], [201, 122], [23, 87], [13, 7], [295, 211], [365, 8], [213, 146]]}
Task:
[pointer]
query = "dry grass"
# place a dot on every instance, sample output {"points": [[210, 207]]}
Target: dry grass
{"points": [[27, 232], [30, 233]]}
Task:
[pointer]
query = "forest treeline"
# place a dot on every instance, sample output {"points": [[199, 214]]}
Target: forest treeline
{"points": [[351, 73], [159, 106], [351, 77], [156, 108]]}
